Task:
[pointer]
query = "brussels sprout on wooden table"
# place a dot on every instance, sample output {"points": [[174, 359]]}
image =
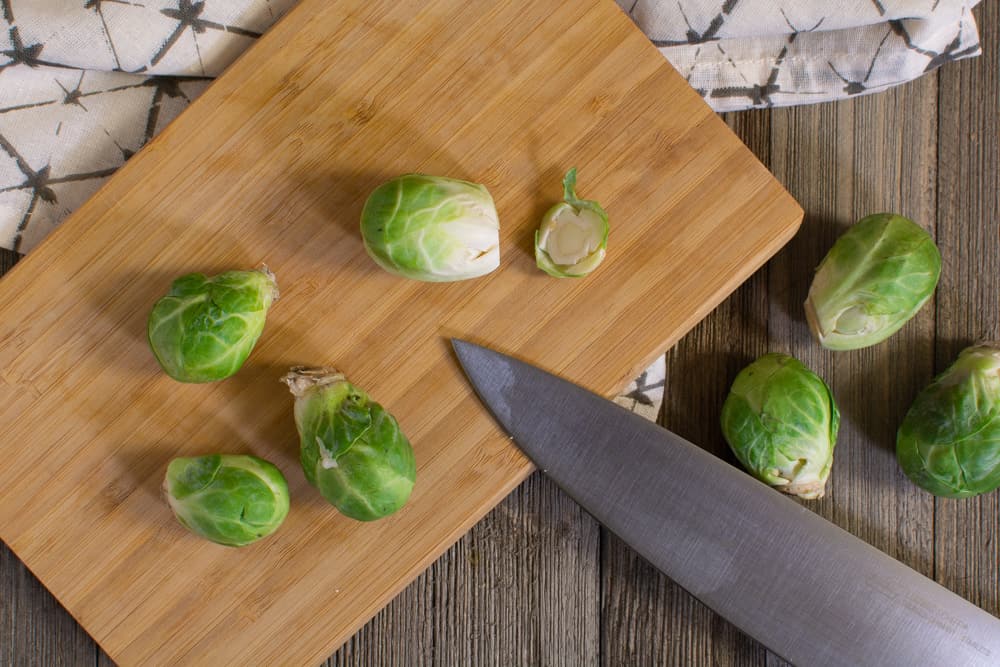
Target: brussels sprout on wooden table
{"points": [[781, 422], [949, 441], [876, 277]]}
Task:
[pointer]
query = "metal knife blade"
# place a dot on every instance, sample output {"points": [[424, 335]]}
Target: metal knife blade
{"points": [[808, 590]]}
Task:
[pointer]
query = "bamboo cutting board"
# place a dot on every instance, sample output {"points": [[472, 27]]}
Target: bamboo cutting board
{"points": [[272, 164]]}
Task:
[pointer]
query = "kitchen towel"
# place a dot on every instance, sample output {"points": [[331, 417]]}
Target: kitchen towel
{"points": [[741, 54], [85, 83]]}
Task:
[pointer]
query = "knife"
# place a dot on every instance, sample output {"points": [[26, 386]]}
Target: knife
{"points": [[806, 589]]}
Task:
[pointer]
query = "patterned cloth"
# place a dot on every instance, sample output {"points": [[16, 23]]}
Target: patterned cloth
{"points": [[759, 53], [85, 83]]}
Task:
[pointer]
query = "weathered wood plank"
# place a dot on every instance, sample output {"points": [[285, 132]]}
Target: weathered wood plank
{"points": [[966, 550], [520, 589], [34, 630], [8, 258]]}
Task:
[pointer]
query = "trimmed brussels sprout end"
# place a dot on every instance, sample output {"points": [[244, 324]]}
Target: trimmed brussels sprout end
{"points": [[802, 481], [301, 379], [272, 279], [802, 477], [813, 321], [573, 236]]}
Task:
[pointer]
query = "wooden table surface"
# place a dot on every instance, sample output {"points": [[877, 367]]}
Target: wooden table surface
{"points": [[538, 582]]}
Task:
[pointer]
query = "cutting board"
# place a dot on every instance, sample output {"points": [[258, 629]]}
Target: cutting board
{"points": [[272, 164]]}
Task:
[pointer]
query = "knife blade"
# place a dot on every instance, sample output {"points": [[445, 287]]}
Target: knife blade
{"points": [[806, 589]]}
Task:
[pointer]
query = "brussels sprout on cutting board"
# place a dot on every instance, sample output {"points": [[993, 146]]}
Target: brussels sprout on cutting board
{"points": [[352, 449], [573, 237], [229, 499], [432, 228], [205, 328]]}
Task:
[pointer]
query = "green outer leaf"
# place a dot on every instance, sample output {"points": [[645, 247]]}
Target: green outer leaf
{"points": [[432, 228], [781, 422], [205, 328], [949, 441], [365, 465], [375, 476], [876, 278], [335, 417], [229, 499], [589, 263]]}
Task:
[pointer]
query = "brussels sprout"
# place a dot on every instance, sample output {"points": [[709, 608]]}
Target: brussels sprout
{"points": [[573, 236], [949, 441], [874, 279], [432, 228], [229, 499], [781, 422], [351, 449], [204, 328]]}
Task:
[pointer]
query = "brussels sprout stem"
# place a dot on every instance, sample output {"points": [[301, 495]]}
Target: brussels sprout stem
{"points": [[301, 379], [275, 294], [805, 490], [569, 188]]}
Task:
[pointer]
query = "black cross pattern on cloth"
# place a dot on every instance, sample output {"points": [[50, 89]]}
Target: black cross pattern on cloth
{"points": [[188, 15], [39, 182], [137, 36], [775, 53], [641, 392], [708, 34], [952, 50], [19, 54], [759, 94], [96, 5], [42, 166], [853, 87]]}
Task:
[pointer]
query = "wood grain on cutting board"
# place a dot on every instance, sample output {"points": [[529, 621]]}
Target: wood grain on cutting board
{"points": [[272, 164]]}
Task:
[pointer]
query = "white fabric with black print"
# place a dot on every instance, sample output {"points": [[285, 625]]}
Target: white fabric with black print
{"points": [[759, 53], [84, 84]]}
